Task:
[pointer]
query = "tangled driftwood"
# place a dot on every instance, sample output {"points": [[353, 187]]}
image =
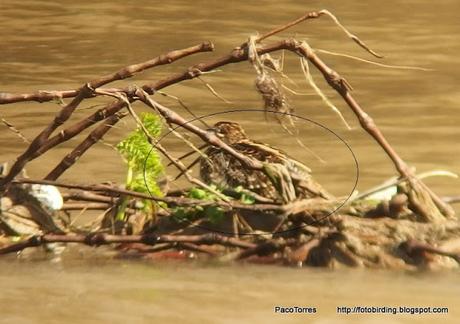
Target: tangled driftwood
{"points": [[409, 230]]}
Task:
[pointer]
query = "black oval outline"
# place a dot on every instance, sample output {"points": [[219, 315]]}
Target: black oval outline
{"points": [[274, 112]]}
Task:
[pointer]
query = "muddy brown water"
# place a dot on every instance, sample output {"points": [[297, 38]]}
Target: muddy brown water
{"points": [[59, 45]]}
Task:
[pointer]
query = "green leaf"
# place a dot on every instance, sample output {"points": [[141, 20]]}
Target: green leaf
{"points": [[143, 160], [214, 213], [197, 193], [247, 199]]}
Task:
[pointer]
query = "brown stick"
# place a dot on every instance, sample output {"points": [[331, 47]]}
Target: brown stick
{"points": [[87, 196], [94, 206], [85, 92], [308, 15], [172, 201], [95, 239], [263, 248], [89, 141], [237, 55], [39, 96], [38, 146], [42, 96], [60, 118], [332, 78], [88, 206], [451, 199], [126, 72], [78, 127], [339, 84], [209, 137], [160, 148], [413, 246]]}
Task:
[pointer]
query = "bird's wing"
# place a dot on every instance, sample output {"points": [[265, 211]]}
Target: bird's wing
{"points": [[226, 171], [267, 153]]}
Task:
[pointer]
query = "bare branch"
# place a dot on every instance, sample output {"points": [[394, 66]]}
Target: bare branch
{"points": [[339, 84], [87, 91], [96, 239], [126, 72], [84, 146]]}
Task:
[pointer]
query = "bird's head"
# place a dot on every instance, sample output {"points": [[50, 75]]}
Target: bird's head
{"points": [[229, 132]]}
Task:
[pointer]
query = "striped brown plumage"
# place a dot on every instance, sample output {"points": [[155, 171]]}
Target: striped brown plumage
{"points": [[226, 171]]}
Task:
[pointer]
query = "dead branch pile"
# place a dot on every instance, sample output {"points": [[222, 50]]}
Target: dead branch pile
{"points": [[414, 228]]}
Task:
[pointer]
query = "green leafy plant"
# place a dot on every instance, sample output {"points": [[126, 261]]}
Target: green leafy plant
{"points": [[245, 197], [213, 213], [143, 161]]}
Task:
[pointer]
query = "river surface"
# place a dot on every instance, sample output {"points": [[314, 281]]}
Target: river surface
{"points": [[50, 45]]}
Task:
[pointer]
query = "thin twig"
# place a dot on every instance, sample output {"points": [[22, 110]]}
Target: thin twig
{"points": [[308, 76], [14, 130], [400, 67], [352, 36], [308, 15], [214, 92], [183, 105], [396, 181]]}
